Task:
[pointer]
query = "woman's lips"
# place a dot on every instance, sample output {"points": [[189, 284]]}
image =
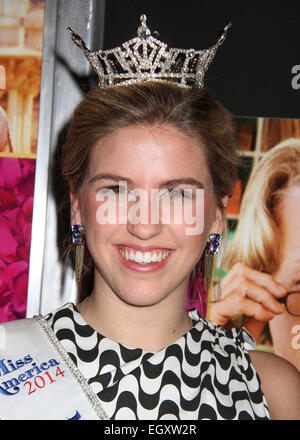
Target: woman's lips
{"points": [[143, 258]]}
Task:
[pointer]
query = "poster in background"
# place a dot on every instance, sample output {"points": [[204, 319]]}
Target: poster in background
{"points": [[21, 41], [257, 137]]}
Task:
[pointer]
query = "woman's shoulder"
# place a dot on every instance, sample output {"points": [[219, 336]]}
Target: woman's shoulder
{"points": [[280, 382], [218, 335], [66, 310], [25, 325], [15, 325]]}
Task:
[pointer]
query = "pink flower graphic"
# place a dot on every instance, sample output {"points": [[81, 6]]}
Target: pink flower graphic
{"points": [[16, 203]]}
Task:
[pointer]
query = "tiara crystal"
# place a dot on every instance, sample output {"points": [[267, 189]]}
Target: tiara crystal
{"points": [[146, 58]]}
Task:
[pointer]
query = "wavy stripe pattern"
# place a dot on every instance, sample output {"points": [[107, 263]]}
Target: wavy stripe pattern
{"points": [[205, 374]]}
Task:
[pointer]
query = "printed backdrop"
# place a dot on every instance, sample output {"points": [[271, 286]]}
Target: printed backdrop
{"points": [[16, 195], [21, 40]]}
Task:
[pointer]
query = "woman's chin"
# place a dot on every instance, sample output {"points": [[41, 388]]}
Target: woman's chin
{"points": [[141, 296]]}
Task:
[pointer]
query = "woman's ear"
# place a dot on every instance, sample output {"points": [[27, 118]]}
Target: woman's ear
{"points": [[218, 223], [75, 211]]}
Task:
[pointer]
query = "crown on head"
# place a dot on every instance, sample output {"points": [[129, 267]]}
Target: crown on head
{"points": [[146, 58]]}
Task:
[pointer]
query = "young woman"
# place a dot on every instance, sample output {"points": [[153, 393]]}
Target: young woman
{"points": [[142, 354], [150, 167]]}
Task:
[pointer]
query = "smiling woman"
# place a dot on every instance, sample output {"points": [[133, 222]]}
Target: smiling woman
{"points": [[146, 122], [165, 148], [129, 141], [130, 350]]}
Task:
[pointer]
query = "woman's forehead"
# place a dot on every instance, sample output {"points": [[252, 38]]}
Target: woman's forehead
{"points": [[149, 150]]}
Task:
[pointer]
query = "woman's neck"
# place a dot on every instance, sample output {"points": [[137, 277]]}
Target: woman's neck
{"points": [[149, 327]]}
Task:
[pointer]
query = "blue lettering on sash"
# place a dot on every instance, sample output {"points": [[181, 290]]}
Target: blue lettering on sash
{"points": [[11, 386], [9, 393], [77, 416], [3, 367]]}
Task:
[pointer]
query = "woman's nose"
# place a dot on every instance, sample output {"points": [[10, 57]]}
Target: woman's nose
{"points": [[143, 218]]}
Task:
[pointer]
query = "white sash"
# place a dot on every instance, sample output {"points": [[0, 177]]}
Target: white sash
{"points": [[38, 379]]}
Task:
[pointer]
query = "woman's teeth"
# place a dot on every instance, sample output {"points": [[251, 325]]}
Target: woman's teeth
{"points": [[144, 257]]}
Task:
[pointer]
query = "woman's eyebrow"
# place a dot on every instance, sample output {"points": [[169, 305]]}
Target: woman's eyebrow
{"points": [[183, 181], [164, 184], [107, 176]]}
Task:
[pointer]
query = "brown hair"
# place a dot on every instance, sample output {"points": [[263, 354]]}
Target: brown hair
{"points": [[193, 111]]}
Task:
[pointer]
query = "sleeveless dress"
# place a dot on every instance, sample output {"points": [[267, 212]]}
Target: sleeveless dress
{"points": [[206, 374]]}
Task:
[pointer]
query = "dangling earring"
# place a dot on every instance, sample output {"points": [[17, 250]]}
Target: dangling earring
{"points": [[78, 241], [211, 251]]}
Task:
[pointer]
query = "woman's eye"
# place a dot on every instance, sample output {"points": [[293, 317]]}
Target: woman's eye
{"points": [[176, 194], [179, 194], [117, 189]]}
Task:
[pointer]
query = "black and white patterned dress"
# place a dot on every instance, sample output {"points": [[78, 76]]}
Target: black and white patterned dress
{"points": [[205, 374]]}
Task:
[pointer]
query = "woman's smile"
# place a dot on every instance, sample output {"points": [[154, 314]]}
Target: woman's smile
{"points": [[143, 259]]}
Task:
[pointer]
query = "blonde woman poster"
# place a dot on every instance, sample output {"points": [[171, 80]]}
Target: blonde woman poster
{"points": [[263, 281]]}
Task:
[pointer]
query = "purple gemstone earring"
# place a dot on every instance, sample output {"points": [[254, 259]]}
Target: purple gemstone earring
{"points": [[78, 241], [211, 251], [77, 234], [214, 243]]}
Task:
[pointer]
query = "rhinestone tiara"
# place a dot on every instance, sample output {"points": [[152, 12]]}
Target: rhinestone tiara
{"points": [[146, 58]]}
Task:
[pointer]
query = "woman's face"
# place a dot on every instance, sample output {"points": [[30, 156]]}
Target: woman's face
{"points": [[285, 328], [144, 260]]}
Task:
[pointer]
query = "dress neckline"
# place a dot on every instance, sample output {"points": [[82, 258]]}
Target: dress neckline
{"points": [[193, 314]]}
